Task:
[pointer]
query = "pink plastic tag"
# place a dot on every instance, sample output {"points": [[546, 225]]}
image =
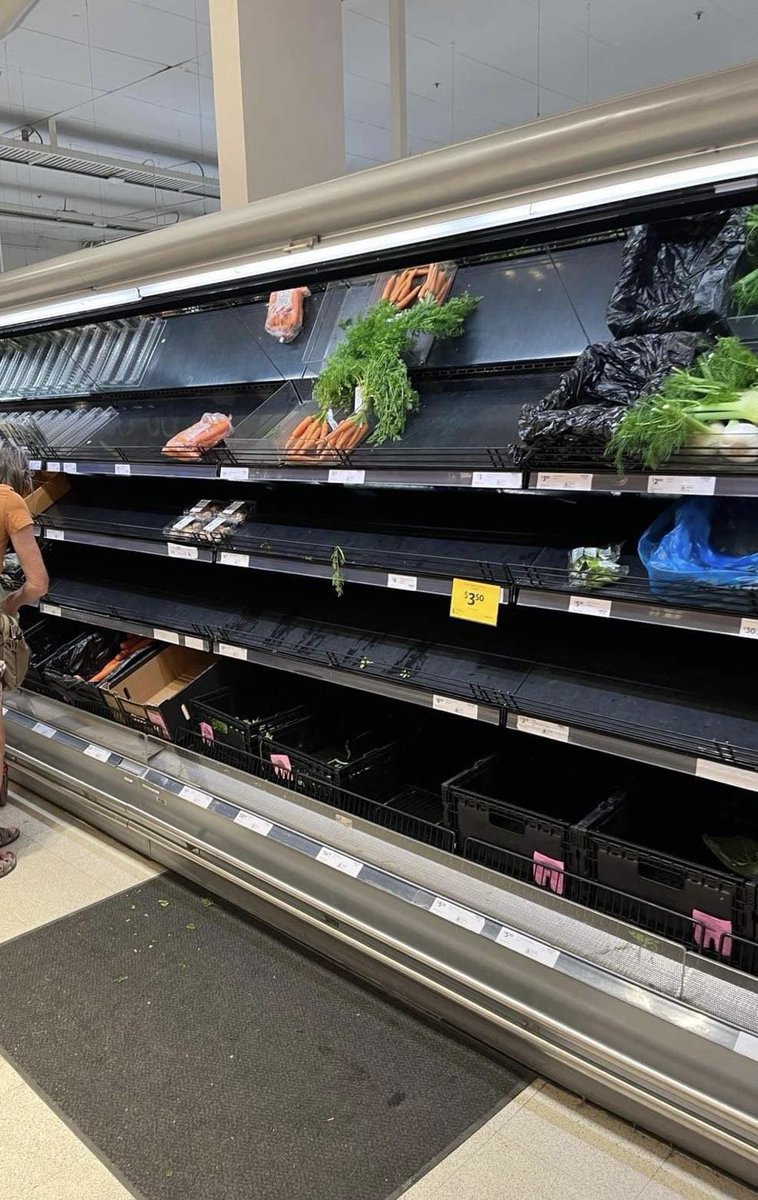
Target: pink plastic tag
{"points": [[206, 731], [548, 872], [712, 933], [282, 765]]}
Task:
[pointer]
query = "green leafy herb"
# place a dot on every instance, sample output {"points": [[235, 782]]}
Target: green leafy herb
{"points": [[720, 386], [370, 356], [338, 562]]}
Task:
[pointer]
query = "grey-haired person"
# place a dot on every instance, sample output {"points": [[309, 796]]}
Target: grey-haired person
{"points": [[16, 528]]}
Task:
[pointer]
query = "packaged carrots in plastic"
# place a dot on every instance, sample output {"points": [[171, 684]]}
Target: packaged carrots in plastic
{"points": [[285, 313], [206, 433]]}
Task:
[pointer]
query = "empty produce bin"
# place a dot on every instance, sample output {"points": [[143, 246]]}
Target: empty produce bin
{"points": [[317, 754], [658, 848], [524, 805]]}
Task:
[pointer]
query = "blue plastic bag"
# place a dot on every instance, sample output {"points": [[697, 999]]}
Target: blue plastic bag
{"points": [[681, 561]]}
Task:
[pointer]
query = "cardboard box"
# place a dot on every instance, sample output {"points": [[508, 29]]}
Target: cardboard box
{"points": [[47, 493], [155, 691]]}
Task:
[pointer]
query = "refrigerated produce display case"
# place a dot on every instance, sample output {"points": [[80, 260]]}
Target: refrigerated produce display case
{"points": [[420, 703]]}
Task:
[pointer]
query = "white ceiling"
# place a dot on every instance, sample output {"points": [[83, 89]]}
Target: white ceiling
{"points": [[133, 79]]}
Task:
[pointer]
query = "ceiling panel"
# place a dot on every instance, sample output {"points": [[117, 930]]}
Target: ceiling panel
{"points": [[194, 10], [43, 54], [365, 46], [369, 141], [128, 27], [178, 88], [366, 100], [430, 69]]}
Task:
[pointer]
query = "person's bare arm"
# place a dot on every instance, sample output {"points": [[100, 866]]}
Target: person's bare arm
{"points": [[32, 564]]}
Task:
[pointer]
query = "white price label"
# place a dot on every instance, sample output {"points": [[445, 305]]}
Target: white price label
{"points": [[69, 468], [175, 551], [52, 610], [98, 752], [457, 915], [122, 469], [749, 627], [496, 479], [403, 583], [681, 485], [167, 635], [182, 523], [459, 708], [721, 772], [228, 559], [232, 651], [591, 605], [54, 467], [563, 481], [235, 474], [43, 729], [55, 535], [194, 643], [201, 799], [546, 729], [35, 464], [257, 824], [747, 1044], [352, 477], [340, 862], [528, 947]]}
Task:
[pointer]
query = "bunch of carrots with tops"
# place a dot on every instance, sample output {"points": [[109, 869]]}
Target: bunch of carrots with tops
{"points": [[434, 283], [312, 440]]}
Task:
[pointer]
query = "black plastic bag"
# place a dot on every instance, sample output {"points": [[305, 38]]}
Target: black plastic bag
{"points": [[593, 395], [84, 657], [677, 274]]}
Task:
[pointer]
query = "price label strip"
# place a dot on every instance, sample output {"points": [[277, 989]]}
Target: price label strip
{"points": [[471, 601]]}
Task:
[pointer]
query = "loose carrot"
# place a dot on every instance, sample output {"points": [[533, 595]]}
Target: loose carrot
{"points": [[408, 299], [301, 428], [388, 287]]}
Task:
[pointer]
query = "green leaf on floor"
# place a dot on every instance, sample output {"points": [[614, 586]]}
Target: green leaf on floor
{"points": [[190, 925], [207, 902], [164, 903], [120, 978]]}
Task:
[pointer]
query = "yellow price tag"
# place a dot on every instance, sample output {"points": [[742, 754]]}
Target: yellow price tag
{"points": [[472, 601]]}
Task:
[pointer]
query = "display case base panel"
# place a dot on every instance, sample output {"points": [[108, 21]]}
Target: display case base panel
{"points": [[657, 1033]]}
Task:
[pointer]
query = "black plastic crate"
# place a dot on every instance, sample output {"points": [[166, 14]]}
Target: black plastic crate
{"points": [[652, 848], [44, 636], [353, 752], [244, 712], [528, 804]]}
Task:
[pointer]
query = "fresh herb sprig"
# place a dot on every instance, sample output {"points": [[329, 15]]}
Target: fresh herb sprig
{"points": [[370, 356]]}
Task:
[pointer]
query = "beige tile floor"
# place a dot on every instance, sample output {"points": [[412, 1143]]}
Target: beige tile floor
{"points": [[62, 867], [548, 1143], [545, 1143]]}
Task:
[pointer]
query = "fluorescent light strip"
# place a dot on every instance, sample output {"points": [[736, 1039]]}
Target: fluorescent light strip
{"points": [[92, 303], [716, 172]]}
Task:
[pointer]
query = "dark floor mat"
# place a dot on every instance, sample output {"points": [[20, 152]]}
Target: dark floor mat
{"points": [[207, 1059]]}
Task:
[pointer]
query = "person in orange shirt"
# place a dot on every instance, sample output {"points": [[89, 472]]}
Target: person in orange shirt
{"points": [[17, 527]]}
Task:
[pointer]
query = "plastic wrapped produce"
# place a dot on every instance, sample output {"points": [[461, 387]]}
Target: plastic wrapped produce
{"points": [[206, 433], [677, 274], [286, 310], [582, 412]]}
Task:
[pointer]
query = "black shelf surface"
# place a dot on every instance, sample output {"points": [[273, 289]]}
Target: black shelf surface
{"points": [[608, 677]]}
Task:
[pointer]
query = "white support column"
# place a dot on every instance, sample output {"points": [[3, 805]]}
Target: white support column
{"points": [[277, 81], [398, 80]]}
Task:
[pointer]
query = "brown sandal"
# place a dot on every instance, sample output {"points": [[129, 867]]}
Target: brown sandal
{"points": [[7, 863], [8, 835]]}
